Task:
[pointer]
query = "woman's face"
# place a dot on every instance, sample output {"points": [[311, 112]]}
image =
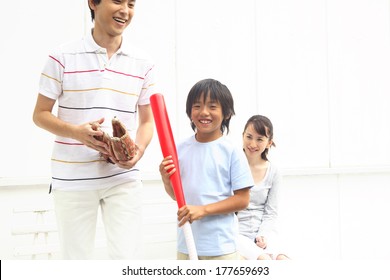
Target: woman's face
{"points": [[254, 144]]}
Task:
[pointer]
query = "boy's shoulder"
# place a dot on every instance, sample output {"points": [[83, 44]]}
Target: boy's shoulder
{"points": [[228, 145], [186, 141]]}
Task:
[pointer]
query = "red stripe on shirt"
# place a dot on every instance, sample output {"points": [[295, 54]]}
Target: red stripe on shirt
{"points": [[121, 73], [149, 71], [68, 143], [57, 61]]}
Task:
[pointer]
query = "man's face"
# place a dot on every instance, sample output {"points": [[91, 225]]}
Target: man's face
{"points": [[113, 16]]}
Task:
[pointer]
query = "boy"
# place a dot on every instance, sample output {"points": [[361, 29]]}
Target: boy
{"points": [[215, 175]]}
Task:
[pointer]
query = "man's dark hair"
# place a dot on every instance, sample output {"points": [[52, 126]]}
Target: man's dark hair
{"points": [[96, 2]]}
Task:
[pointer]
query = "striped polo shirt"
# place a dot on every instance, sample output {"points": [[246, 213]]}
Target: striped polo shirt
{"points": [[88, 86]]}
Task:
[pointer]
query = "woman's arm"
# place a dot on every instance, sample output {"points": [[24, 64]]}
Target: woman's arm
{"points": [[269, 219]]}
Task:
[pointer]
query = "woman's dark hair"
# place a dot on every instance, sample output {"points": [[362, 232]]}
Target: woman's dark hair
{"points": [[263, 126], [218, 92]]}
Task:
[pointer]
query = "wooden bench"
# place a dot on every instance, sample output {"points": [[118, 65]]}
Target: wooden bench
{"points": [[32, 230], [35, 232]]}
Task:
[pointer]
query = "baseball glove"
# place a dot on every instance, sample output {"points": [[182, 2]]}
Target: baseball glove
{"points": [[121, 146]]}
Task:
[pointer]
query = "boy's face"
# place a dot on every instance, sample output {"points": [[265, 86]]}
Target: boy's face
{"points": [[112, 16], [207, 116]]}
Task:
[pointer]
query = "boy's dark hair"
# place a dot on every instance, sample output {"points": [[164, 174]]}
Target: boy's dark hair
{"points": [[96, 2], [218, 92], [263, 126]]}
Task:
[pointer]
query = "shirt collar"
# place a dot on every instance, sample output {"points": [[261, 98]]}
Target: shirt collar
{"points": [[92, 46]]}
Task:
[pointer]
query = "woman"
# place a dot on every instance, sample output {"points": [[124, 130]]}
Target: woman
{"points": [[257, 229]]}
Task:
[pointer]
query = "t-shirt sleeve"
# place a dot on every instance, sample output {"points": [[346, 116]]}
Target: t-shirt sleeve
{"points": [[150, 85], [50, 84], [241, 174]]}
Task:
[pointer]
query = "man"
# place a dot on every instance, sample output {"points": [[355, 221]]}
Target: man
{"points": [[94, 80]]}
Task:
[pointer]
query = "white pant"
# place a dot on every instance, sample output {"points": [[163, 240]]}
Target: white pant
{"points": [[248, 249], [121, 209]]}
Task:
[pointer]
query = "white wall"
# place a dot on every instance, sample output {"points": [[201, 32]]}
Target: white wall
{"points": [[338, 216], [319, 69], [323, 216]]}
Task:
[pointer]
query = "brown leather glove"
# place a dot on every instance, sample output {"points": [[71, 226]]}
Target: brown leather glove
{"points": [[121, 146]]}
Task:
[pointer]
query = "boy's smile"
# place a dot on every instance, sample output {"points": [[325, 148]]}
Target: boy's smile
{"points": [[207, 117]]}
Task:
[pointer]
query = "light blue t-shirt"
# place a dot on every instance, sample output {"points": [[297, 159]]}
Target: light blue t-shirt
{"points": [[210, 172]]}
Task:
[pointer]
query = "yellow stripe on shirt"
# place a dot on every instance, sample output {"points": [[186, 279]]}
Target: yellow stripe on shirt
{"points": [[90, 89], [47, 76]]}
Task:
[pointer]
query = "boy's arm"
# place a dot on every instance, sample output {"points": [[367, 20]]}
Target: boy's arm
{"points": [[165, 165], [238, 201], [234, 203]]}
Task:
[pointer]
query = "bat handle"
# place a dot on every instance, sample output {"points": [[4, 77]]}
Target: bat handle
{"points": [[190, 241]]}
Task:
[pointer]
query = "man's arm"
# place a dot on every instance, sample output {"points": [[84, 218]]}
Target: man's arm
{"points": [[145, 128], [44, 118], [143, 136]]}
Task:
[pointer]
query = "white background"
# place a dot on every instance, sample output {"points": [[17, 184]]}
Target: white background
{"points": [[318, 69]]}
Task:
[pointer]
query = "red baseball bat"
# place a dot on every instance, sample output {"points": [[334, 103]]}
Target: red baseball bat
{"points": [[168, 147], [167, 143]]}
